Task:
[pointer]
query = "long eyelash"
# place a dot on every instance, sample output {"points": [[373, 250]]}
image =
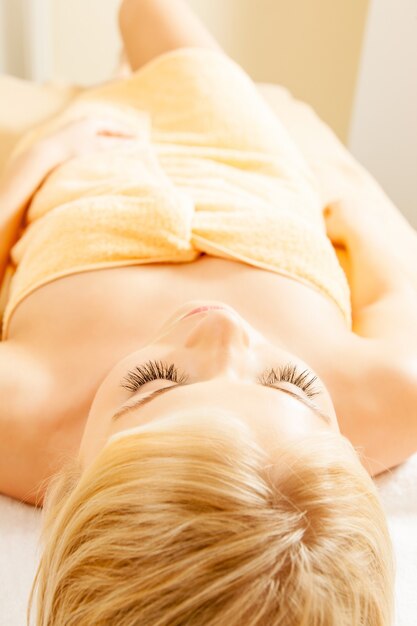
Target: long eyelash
{"points": [[292, 374], [152, 370]]}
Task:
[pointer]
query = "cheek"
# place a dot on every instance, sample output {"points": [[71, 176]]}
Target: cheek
{"points": [[327, 402], [108, 397], [328, 406], [98, 424]]}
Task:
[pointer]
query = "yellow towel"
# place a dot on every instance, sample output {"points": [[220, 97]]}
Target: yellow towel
{"points": [[213, 171]]}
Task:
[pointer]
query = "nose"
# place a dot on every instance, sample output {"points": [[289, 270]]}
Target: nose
{"points": [[222, 334]]}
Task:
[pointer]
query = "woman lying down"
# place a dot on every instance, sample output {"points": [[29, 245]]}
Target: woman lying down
{"points": [[190, 385]]}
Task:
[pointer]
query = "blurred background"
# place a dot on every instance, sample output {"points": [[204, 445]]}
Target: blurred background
{"points": [[353, 61]]}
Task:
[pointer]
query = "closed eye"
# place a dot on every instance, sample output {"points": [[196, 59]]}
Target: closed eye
{"points": [[154, 370], [154, 394]]}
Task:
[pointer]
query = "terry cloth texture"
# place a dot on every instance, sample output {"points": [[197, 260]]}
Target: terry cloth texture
{"points": [[213, 170]]}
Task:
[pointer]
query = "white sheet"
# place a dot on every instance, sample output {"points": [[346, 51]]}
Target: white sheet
{"points": [[19, 532]]}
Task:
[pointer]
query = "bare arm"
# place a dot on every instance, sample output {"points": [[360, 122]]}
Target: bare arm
{"points": [[380, 243], [24, 459], [378, 372], [376, 375], [375, 397], [382, 258]]}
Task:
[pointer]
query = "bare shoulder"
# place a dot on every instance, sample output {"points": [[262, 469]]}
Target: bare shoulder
{"points": [[391, 320], [23, 379], [23, 391], [376, 401]]}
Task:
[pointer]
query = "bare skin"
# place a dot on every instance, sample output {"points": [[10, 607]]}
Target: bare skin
{"points": [[67, 336]]}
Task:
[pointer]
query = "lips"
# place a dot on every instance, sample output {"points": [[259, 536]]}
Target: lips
{"points": [[203, 308]]}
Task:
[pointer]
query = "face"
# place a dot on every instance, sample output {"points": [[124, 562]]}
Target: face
{"points": [[207, 355]]}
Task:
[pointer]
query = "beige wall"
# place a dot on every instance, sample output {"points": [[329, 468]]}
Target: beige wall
{"points": [[86, 40], [312, 47], [343, 57], [384, 138]]}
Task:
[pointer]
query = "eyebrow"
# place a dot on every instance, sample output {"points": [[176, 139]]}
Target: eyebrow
{"points": [[144, 400]]}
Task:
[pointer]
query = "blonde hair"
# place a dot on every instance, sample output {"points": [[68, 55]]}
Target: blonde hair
{"points": [[186, 520]]}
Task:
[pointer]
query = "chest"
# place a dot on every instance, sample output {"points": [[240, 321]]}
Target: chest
{"points": [[81, 325]]}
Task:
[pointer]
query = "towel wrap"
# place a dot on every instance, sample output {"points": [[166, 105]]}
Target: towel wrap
{"points": [[213, 171]]}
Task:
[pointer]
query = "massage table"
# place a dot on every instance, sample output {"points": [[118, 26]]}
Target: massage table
{"points": [[23, 104]]}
